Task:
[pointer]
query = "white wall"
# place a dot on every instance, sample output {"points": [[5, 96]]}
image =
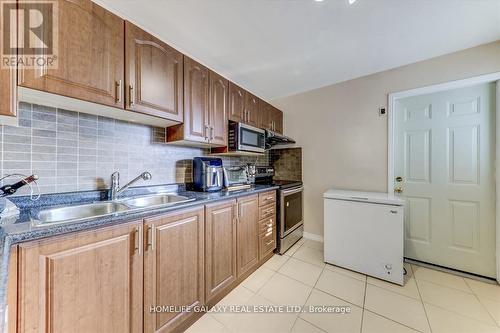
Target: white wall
{"points": [[344, 139]]}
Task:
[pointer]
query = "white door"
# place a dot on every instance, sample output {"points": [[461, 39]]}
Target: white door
{"points": [[445, 155]]}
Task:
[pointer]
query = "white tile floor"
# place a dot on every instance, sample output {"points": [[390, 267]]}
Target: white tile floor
{"points": [[430, 300]]}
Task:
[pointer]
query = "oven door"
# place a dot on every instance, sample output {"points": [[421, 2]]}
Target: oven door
{"points": [[251, 139], [292, 210]]}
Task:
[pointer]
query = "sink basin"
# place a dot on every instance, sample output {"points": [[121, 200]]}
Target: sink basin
{"points": [[156, 200], [67, 214]]}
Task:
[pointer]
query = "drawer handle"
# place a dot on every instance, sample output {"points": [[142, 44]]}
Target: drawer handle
{"points": [[270, 242]]}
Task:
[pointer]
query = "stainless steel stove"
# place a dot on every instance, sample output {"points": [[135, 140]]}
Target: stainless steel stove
{"points": [[290, 214]]}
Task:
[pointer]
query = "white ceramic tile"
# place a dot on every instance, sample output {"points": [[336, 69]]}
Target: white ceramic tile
{"points": [[443, 321], [409, 289], [342, 286], [373, 323], [302, 326], [485, 290], [347, 272], [441, 278], [332, 322], [258, 278], [493, 307], [276, 261], [207, 324], [405, 310], [261, 322], [454, 300], [310, 255], [301, 271], [238, 296], [283, 290], [314, 244]]}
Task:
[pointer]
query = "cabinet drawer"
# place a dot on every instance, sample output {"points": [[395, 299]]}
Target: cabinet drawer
{"points": [[267, 243], [267, 212], [267, 198], [267, 225]]}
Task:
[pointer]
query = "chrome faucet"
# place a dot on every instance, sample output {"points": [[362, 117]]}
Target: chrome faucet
{"points": [[115, 183]]}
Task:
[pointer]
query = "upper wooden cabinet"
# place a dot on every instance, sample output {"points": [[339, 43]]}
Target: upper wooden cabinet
{"points": [[220, 245], [82, 282], [205, 108], [173, 268], [251, 110], [237, 97], [90, 56], [270, 117], [248, 234], [8, 92], [218, 109], [153, 75]]}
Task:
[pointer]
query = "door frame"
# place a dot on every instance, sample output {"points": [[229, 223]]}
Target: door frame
{"points": [[393, 97]]}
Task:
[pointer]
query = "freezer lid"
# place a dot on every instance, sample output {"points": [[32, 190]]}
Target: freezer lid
{"points": [[360, 196]]}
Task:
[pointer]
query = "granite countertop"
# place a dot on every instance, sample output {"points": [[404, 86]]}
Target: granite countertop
{"points": [[22, 229]]}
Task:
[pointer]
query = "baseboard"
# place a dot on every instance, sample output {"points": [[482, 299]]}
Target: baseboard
{"points": [[314, 237]]}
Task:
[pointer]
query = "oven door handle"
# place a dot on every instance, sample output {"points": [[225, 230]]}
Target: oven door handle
{"points": [[292, 191]]}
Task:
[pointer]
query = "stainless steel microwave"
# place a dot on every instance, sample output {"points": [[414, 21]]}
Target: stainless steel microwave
{"points": [[246, 138]]}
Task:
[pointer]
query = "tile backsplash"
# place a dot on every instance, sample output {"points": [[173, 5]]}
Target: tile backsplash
{"points": [[73, 151], [287, 163]]}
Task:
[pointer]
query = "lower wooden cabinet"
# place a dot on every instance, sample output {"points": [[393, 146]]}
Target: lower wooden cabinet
{"points": [[143, 276], [82, 282], [267, 223], [220, 247], [248, 233], [173, 268]]}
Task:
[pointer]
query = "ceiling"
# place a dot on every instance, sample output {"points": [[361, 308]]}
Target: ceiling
{"points": [[277, 48]]}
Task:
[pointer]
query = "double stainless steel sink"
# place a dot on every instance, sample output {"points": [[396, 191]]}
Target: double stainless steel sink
{"points": [[76, 213]]}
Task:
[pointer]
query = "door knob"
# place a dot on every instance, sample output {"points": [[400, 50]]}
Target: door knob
{"points": [[398, 189], [399, 179]]}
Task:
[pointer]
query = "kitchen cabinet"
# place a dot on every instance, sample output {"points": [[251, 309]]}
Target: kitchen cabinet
{"points": [[218, 109], [90, 63], [237, 97], [267, 223], [220, 245], [270, 118], [243, 106], [205, 108], [8, 93], [83, 282], [153, 75], [248, 233], [251, 110], [173, 268]]}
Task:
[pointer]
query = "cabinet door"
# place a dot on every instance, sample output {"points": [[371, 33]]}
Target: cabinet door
{"points": [[251, 110], [196, 93], [173, 267], [277, 120], [90, 56], [8, 91], [236, 103], [154, 75], [83, 282], [218, 106], [264, 118], [248, 233], [220, 245]]}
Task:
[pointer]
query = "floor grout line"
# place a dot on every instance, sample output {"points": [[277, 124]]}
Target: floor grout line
{"points": [[422, 302], [364, 302]]}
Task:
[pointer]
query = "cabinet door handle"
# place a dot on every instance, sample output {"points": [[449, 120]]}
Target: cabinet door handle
{"points": [[137, 240], [270, 242], [131, 95], [211, 133], [150, 237], [118, 91], [205, 133]]}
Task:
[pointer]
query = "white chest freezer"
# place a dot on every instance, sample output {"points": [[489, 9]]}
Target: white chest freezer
{"points": [[364, 233]]}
